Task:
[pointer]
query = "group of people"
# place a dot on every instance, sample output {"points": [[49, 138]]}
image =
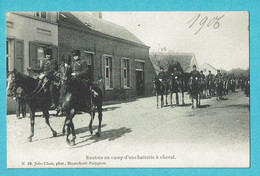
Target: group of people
{"points": [[47, 76], [212, 85]]}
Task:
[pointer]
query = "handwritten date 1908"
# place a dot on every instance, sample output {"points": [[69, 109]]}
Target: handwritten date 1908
{"points": [[213, 22]]}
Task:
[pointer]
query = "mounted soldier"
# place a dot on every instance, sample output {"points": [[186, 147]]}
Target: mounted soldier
{"points": [[46, 75], [194, 73], [194, 86], [219, 85], [80, 72], [210, 83], [161, 75]]}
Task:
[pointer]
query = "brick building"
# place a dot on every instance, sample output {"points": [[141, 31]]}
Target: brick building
{"points": [[111, 52]]}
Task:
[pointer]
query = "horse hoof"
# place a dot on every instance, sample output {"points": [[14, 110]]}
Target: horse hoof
{"points": [[29, 139], [91, 132], [54, 134], [98, 134], [72, 143]]}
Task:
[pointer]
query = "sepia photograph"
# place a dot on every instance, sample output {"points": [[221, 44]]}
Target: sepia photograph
{"points": [[127, 89]]}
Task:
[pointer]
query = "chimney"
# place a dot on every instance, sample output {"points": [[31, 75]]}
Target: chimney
{"points": [[97, 14]]}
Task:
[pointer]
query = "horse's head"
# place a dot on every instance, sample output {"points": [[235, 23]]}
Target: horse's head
{"points": [[66, 70], [12, 83]]}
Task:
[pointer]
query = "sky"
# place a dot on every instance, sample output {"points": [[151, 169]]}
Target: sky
{"points": [[218, 38]]}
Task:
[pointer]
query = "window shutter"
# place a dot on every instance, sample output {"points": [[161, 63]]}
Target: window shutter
{"points": [[130, 73], [102, 66], [19, 55], [122, 73], [113, 72], [33, 55]]}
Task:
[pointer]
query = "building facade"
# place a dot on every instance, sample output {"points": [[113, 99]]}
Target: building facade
{"points": [[112, 52], [27, 35]]}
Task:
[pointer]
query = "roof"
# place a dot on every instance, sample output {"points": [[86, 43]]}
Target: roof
{"points": [[89, 22], [187, 60], [206, 67]]}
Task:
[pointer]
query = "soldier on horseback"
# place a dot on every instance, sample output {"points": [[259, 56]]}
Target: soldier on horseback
{"points": [[194, 73], [210, 83], [161, 75], [219, 84], [46, 75], [80, 72]]}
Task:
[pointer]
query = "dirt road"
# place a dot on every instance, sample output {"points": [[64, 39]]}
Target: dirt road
{"points": [[136, 134]]}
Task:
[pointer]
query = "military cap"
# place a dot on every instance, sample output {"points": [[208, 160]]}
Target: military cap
{"points": [[194, 66], [76, 53], [48, 51]]}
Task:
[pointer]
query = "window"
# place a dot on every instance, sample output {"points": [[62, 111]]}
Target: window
{"points": [[8, 56], [108, 72], [41, 14], [89, 58], [126, 73], [40, 53]]}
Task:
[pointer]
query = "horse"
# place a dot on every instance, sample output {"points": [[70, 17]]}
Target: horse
{"points": [[210, 86], [176, 82], [219, 87], [75, 96], [160, 89], [194, 90], [232, 84], [35, 97], [202, 88]]}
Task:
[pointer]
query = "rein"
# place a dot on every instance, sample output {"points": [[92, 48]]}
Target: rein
{"points": [[34, 92]]}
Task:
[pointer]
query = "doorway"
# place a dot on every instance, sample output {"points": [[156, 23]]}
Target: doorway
{"points": [[140, 83]]}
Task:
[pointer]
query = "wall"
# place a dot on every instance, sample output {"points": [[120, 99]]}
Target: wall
{"points": [[70, 39], [23, 27]]}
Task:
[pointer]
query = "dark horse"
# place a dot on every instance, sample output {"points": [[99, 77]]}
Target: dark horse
{"points": [[75, 96], [176, 81], [160, 88], [35, 96], [194, 85]]}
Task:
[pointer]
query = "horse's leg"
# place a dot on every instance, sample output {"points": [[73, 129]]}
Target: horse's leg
{"points": [[47, 115], [182, 97], [71, 125], [99, 108], [171, 97], [166, 97], [157, 99], [67, 126], [32, 120], [177, 99], [92, 116], [162, 103]]}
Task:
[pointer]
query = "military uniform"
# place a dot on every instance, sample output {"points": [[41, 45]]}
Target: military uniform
{"points": [[195, 73], [80, 68], [161, 75], [202, 76], [48, 68], [47, 79]]}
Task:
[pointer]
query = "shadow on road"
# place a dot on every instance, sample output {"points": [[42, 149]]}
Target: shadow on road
{"points": [[85, 129], [204, 106], [109, 135], [110, 108]]}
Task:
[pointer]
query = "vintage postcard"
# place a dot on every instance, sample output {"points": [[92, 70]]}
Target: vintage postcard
{"points": [[128, 89]]}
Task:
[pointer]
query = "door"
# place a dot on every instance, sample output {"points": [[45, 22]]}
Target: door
{"points": [[139, 83]]}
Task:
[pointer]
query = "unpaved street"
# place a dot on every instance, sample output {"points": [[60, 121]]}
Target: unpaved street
{"points": [[216, 135]]}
